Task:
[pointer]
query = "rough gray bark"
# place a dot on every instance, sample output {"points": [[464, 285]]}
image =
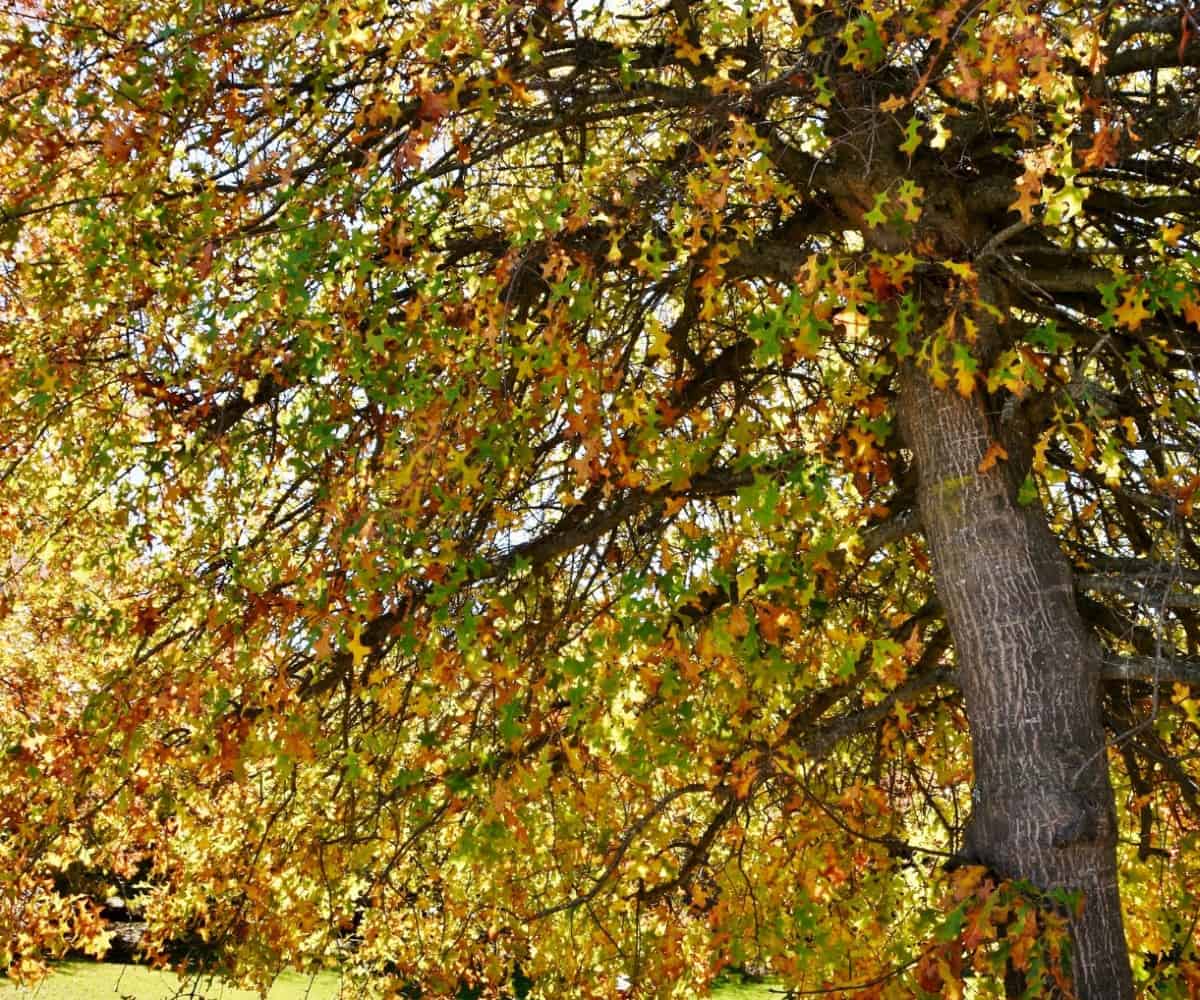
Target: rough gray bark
{"points": [[1030, 674]]}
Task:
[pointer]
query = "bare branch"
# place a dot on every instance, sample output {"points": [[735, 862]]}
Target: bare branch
{"points": [[896, 527], [1166, 595], [1152, 670]]}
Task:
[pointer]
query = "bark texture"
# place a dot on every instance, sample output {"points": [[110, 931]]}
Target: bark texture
{"points": [[1030, 675]]}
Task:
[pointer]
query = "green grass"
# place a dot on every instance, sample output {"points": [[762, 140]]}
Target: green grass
{"points": [[731, 989], [103, 981]]}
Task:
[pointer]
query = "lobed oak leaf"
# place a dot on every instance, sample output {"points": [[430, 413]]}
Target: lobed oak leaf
{"points": [[882, 286], [1029, 190], [694, 54], [147, 618], [117, 142], [356, 647], [995, 452], [743, 781], [912, 136], [434, 106], [1132, 310], [1191, 310], [1170, 234], [674, 505], [203, 265], [1103, 149], [929, 978], [965, 368], [738, 623]]}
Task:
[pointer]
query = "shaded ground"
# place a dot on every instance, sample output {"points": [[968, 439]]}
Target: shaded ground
{"points": [[85, 980], [88, 980]]}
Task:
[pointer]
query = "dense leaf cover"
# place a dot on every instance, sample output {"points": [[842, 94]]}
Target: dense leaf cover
{"points": [[451, 499]]}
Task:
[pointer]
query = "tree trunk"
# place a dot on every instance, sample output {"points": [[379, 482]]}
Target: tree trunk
{"points": [[1029, 670]]}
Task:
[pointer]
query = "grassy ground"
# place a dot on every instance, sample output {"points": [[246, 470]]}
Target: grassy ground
{"points": [[101, 981], [736, 990], [88, 980]]}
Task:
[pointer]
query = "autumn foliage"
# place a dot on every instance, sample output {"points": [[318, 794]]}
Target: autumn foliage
{"points": [[454, 515]]}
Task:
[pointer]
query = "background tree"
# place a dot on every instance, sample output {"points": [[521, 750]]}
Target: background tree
{"points": [[554, 486]]}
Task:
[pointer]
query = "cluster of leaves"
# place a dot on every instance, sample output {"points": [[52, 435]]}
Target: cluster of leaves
{"points": [[1008, 931], [451, 498]]}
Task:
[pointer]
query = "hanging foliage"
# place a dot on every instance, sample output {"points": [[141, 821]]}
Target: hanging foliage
{"points": [[603, 494]]}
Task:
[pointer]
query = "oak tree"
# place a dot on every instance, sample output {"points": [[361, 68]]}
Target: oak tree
{"points": [[610, 491]]}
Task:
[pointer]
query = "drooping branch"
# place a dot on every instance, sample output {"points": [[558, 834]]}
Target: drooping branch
{"points": [[604, 878], [821, 743]]}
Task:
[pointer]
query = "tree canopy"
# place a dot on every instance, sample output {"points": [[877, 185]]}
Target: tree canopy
{"points": [[605, 490]]}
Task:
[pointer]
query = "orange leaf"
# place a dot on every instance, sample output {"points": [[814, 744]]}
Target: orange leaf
{"points": [[1132, 309], [1103, 150], [993, 455], [203, 265], [1029, 188], [1191, 310]]}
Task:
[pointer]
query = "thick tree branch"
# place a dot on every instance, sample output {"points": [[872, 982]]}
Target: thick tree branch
{"points": [[1149, 57], [1152, 670], [1164, 593]]}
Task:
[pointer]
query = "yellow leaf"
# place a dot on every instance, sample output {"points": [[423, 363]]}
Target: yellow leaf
{"points": [[961, 269], [692, 53], [937, 374], [1039, 452], [659, 337], [357, 648], [856, 323], [965, 368], [574, 761], [941, 134]]}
